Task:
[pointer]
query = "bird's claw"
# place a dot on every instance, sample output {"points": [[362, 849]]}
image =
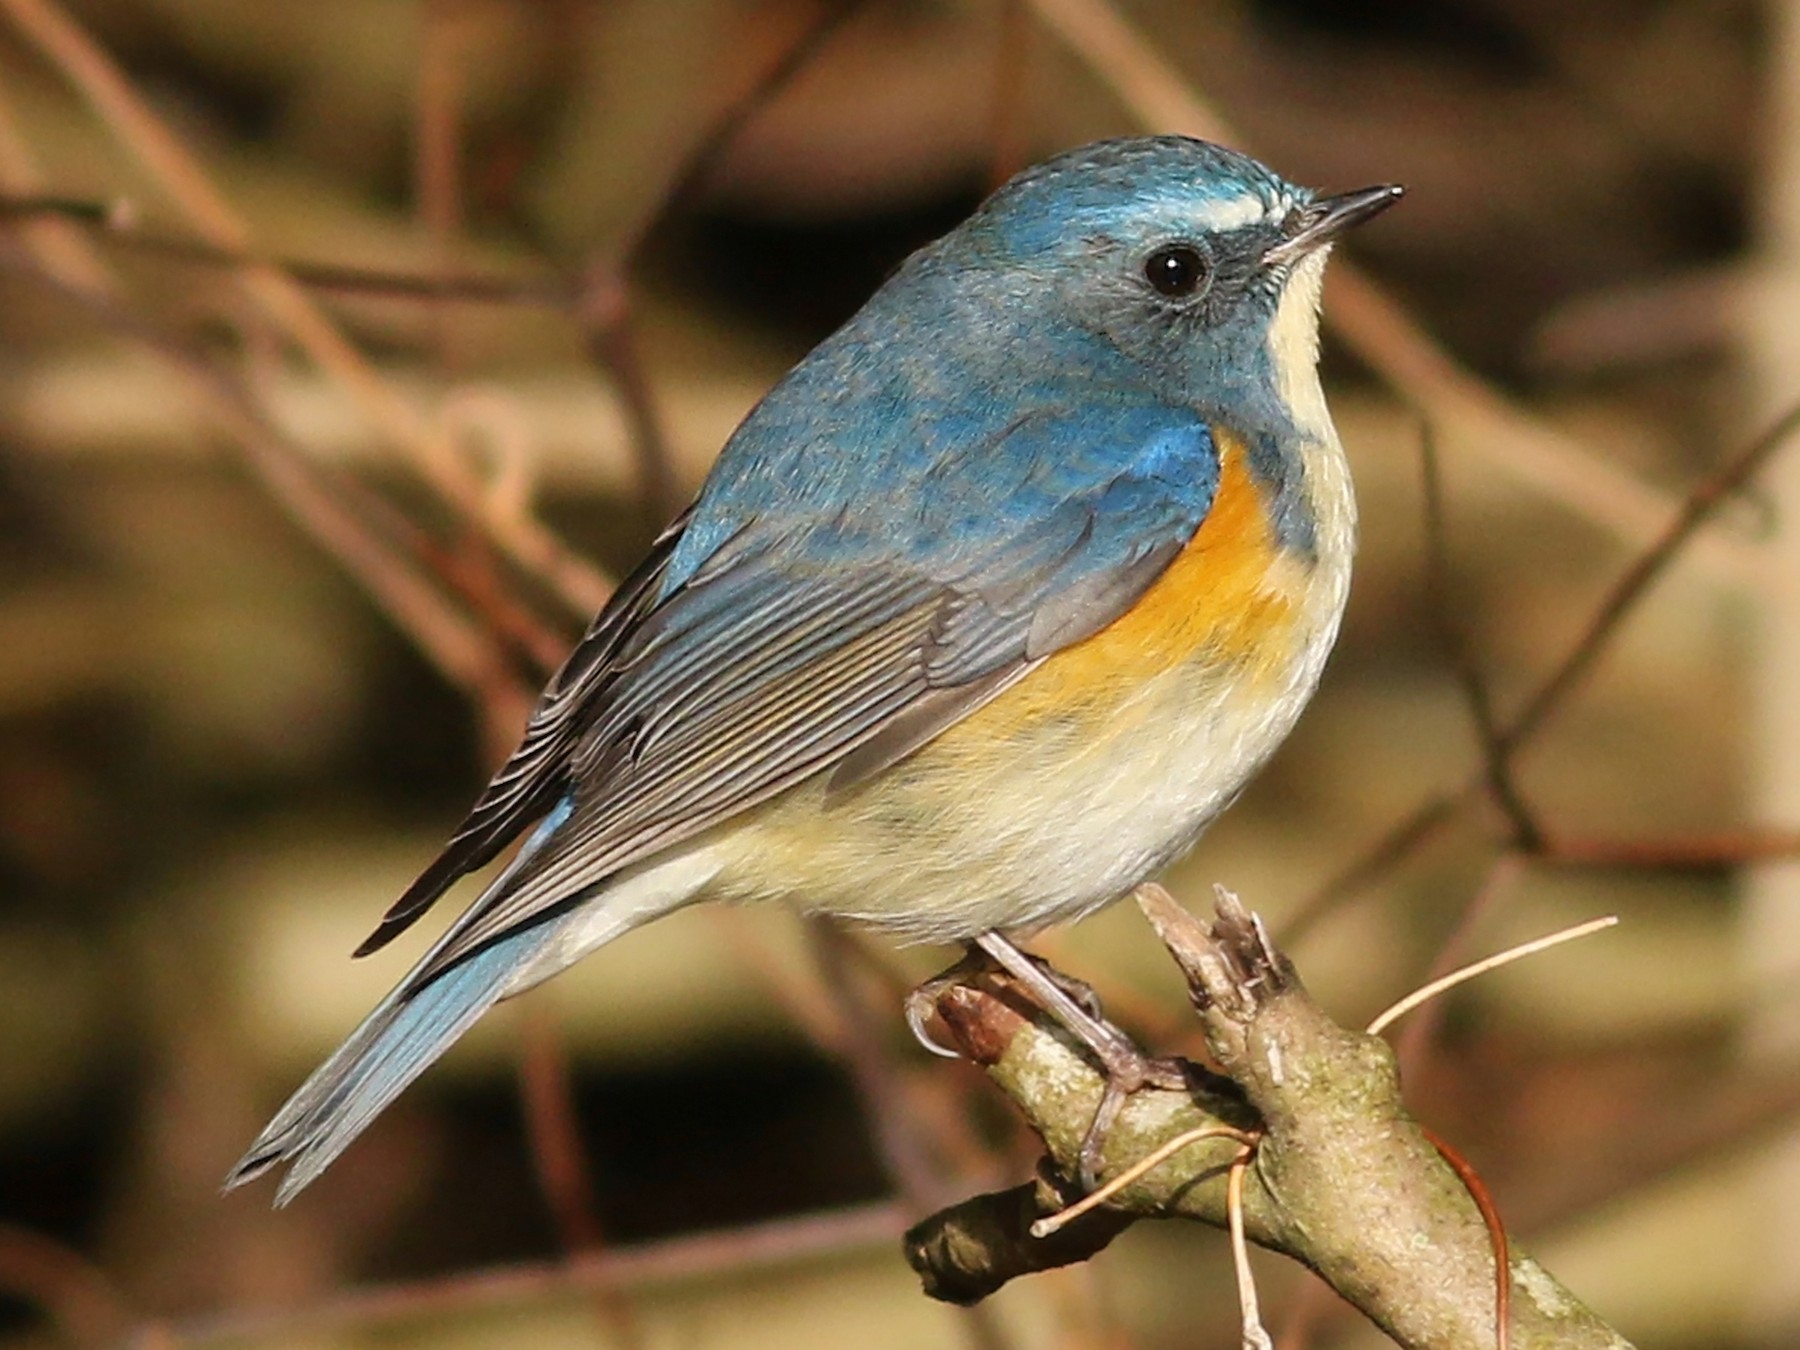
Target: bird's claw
{"points": [[921, 1003]]}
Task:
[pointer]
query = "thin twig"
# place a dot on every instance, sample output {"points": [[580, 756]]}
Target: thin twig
{"points": [[1397, 843], [128, 117], [603, 313], [1009, 130], [804, 1000], [1490, 1215], [1050, 1223], [547, 1090], [1619, 602], [1255, 1335], [372, 542], [1410, 1045], [1702, 500], [437, 154], [120, 228], [1726, 1119], [1430, 991], [891, 1121], [1310, 1302], [1454, 638], [1698, 853], [603, 308], [54, 241], [705, 156], [898, 1130], [73, 1293]]}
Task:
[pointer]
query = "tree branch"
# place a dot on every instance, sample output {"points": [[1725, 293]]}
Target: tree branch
{"points": [[1344, 1181]]}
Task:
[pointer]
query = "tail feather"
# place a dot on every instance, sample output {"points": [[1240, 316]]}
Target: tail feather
{"points": [[408, 1030], [432, 1007]]}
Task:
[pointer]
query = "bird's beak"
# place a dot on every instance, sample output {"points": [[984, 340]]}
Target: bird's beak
{"points": [[1325, 218]]}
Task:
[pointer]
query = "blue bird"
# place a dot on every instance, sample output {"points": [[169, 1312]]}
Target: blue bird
{"points": [[983, 614]]}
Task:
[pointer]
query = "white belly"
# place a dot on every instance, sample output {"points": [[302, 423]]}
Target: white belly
{"points": [[940, 850]]}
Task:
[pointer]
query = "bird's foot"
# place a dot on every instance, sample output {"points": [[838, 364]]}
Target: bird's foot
{"points": [[1076, 1007], [1126, 1074]]}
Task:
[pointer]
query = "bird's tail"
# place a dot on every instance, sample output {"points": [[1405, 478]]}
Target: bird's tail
{"points": [[419, 1020], [407, 1030]]}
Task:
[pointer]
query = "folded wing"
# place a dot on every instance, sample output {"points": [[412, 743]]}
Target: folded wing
{"points": [[838, 642]]}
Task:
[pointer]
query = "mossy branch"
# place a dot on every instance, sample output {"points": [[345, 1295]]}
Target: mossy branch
{"points": [[1344, 1180]]}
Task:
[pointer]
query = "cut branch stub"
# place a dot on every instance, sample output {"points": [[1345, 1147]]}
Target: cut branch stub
{"points": [[966, 1252]]}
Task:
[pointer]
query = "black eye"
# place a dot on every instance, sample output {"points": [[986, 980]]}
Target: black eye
{"points": [[1175, 271]]}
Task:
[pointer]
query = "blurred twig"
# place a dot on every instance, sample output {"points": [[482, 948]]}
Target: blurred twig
{"points": [[1386, 337], [1678, 853], [898, 1130], [120, 227], [381, 549], [603, 306], [1730, 1120], [897, 1133], [1012, 59], [760, 1246], [603, 313], [1619, 602], [761, 89], [74, 1294], [1454, 638], [546, 1088], [1701, 502], [163, 157], [1415, 1037], [55, 243], [437, 153]]}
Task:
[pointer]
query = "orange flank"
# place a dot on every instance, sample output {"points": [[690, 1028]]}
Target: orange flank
{"points": [[1226, 600]]}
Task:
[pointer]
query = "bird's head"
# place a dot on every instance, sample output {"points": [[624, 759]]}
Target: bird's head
{"points": [[1195, 262]]}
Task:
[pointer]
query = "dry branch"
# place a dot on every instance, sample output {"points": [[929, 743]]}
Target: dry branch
{"points": [[1344, 1180]]}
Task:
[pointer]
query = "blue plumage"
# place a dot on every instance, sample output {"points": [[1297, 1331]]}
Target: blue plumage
{"points": [[407, 1030], [993, 462]]}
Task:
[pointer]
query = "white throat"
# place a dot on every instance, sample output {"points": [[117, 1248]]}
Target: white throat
{"points": [[1294, 348]]}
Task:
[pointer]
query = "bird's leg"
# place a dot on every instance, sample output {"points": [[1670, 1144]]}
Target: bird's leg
{"points": [[1127, 1067]]}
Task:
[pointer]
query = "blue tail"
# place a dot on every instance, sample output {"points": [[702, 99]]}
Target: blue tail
{"points": [[396, 1042], [393, 1046]]}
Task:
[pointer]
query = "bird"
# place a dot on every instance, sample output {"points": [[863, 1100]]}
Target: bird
{"points": [[983, 613]]}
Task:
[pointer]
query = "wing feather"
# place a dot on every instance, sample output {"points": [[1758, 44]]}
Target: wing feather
{"points": [[762, 744], [820, 645], [535, 776]]}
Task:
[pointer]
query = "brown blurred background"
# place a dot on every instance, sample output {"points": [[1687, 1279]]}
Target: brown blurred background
{"points": [[224, 746]]}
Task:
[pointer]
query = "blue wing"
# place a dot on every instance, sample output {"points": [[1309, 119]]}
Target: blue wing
{"points": [[835, 638]]}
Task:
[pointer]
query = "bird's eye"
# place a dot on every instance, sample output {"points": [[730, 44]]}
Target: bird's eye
{"points": [[1175, 271]]}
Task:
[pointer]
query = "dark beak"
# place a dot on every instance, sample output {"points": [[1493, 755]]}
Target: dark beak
{"points": [[1325, 218]]}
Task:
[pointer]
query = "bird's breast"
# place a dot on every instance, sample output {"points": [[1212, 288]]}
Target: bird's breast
{"points": [[1097, 767], [1232, 606]]}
